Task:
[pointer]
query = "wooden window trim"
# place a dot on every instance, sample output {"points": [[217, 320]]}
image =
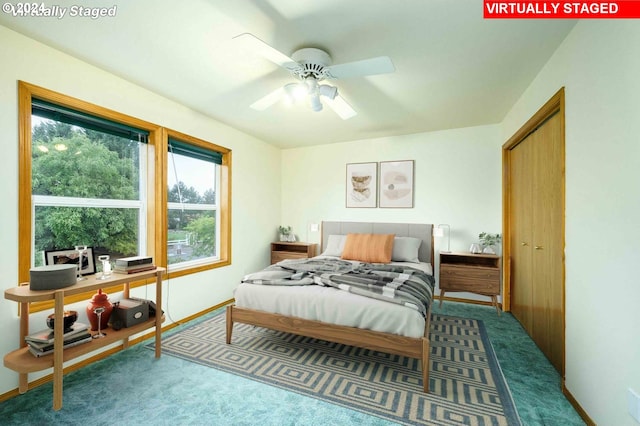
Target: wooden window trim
{"points": [[156, 185], [224, 205]]}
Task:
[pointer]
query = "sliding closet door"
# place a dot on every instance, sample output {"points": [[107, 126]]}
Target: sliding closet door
{"points": [[547, 253]]}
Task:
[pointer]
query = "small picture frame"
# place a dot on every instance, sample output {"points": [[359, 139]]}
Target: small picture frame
{"points": [[70, 256], [396, 184], [361, 185]]}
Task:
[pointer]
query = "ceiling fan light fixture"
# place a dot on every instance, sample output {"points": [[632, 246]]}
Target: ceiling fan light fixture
{"points": [[314, 94], [294, 92], [315, 103], [311, 66], [328, 91]]}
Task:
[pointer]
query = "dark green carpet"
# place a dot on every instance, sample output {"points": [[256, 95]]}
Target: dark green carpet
{"points": [[131, 387]]}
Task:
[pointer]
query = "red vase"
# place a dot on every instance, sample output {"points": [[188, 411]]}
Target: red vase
{"points": [[99, 300]]}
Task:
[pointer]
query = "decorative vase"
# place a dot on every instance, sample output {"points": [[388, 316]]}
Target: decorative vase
{"points": [[475, 248], [488, 250], [99, 300]]}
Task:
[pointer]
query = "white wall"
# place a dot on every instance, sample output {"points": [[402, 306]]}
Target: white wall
{"points": [[599, 66], [457, 181], [255, 179]]}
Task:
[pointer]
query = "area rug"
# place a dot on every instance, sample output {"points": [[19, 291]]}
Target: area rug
{"points": [[466, 382]]}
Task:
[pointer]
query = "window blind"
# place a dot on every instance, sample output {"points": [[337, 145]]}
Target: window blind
{"points": [[193, 151], [63, 114]]}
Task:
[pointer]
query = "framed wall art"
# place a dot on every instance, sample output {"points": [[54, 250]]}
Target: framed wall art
{"points": [[362, 184], [71, 256], [396, 184]]}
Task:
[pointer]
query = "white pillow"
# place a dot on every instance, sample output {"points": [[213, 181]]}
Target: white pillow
{"points": [[405, 249], [335, 245]]}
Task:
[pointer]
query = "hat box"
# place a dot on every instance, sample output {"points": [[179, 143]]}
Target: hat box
{"points": [[128, 312]]}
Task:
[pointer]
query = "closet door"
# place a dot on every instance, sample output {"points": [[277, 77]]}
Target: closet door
{"points": [[534, 225], [548, 241], [521, 172]]}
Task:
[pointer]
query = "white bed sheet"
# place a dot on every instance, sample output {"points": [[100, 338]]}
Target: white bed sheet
{"points": [[334, 306]]}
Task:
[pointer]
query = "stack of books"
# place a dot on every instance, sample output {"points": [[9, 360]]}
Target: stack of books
{"points": [[41, 343], [131, 265]]}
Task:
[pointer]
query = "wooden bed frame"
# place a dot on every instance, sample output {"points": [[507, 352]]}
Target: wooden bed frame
{"points": [[384, 342]]}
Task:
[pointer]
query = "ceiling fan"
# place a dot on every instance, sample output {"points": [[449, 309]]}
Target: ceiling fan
{"points": [[310, 66]]}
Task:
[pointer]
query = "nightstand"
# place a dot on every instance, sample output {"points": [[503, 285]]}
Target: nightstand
{"points": [[283, 250], [474, 273]]}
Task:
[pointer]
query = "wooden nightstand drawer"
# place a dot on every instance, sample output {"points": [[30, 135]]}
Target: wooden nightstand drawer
{"points": [[473, 279], [277, 256]]}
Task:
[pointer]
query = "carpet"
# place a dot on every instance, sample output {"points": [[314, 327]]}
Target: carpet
{"points": [[467, 385]]}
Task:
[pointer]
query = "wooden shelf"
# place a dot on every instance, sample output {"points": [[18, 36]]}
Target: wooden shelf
{"points": [[470, 259], [23, 361], [23, 294]]}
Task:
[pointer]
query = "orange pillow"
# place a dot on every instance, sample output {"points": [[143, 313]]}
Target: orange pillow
{"points": [[371, 248]]}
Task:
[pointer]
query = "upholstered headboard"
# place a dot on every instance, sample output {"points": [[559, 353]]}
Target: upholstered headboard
{"points": [[423, 231]]}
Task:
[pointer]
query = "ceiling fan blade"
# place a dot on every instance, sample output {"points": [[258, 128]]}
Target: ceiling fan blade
{"points": [[253, 44], [372, 66], [341, 107], [267, 101]]}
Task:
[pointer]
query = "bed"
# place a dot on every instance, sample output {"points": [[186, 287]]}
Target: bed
{"points": [[351, 317]]}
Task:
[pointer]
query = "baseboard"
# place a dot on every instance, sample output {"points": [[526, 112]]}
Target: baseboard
{"points": [[45, 379], [472, 301], [196, 315], [583, 414]]}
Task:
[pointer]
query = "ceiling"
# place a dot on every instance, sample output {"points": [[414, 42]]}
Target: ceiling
{"points": [[454, 69]]}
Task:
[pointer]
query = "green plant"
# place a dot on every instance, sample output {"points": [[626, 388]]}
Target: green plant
{"points": [[489, 240], [285, 230]]}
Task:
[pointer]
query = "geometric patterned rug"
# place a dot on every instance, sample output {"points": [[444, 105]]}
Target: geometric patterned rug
{"points": [[466, 382]]}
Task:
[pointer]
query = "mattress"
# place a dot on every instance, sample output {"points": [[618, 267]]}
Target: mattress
{"points": [[327, 304]]}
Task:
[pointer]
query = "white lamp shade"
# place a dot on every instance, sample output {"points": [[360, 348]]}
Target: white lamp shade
{"points": [[438, 231]]}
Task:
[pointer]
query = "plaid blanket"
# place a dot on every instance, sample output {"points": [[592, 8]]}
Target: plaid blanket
{"points": [[402, 285]]}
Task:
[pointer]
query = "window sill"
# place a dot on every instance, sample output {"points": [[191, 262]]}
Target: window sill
{"points": [[192, 268]]}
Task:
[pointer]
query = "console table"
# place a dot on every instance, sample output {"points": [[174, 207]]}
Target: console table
{"points": [[22, 361]]}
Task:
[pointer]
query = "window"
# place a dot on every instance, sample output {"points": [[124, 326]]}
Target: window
{"points": [[92, 176], [87, 182], [193, 181]]}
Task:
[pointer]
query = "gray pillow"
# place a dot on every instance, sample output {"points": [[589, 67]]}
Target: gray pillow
{"points": [[335, 245], [405, 249]]}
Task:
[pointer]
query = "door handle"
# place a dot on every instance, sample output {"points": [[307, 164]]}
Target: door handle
{"points": [[539, 247], [523, 244]]}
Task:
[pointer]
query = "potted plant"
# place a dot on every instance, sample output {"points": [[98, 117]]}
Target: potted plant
{"points": [[489, 241], [286, 233]]}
